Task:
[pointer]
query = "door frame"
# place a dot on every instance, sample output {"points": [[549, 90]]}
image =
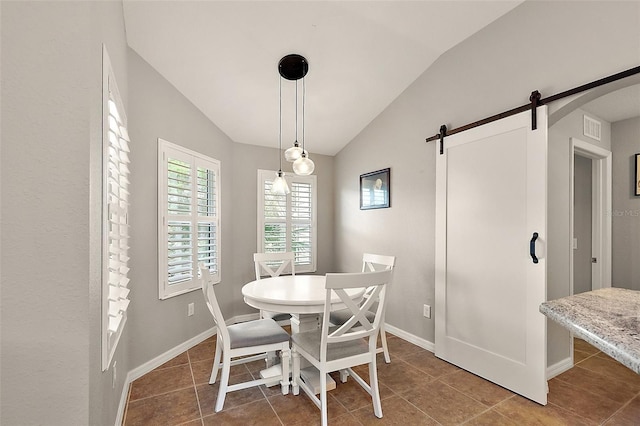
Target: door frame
{"points": [[601, 211]]}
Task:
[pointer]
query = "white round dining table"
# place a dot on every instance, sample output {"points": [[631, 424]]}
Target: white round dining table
{"points": [[302, 296], [293, 294]]}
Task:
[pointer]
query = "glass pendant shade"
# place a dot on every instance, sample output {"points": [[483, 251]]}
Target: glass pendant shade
{"points": [[279, 185], [293, 153], [303, 166]]}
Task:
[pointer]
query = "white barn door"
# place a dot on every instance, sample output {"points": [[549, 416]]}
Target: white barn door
{"points": [[491, 199]]}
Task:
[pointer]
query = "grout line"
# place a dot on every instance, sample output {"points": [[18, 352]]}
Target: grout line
{"points": [[625, 405], [272, 408], [600, 373], [495, 407], [195, 388], [400, 359], [570, 412], [263, 389], [401, 396], [482, 413], [157, 394]]}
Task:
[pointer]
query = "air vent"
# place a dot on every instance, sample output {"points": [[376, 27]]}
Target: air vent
{"points": [[592, 128]]}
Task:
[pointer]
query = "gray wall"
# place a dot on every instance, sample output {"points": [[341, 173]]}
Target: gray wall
{"points": [[158, 110], [625, 224], [51, 216], [51, 85], [558, 218], [492, 71], [247, 159]]}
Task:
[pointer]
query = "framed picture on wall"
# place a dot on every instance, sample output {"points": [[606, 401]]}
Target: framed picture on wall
{"points": [[375, 190], [637, 175]]}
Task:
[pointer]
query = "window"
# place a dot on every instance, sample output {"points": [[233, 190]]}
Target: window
{"points": [[288, 222], [188, 218], [115, 208]]}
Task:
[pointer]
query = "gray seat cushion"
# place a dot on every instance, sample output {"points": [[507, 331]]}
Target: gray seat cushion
{"points": [[310, 342], [255, 333], [343, 315]]}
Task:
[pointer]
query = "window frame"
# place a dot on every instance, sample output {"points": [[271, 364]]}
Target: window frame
{"points": [[195, 159], [269, 175], [115, 214]]}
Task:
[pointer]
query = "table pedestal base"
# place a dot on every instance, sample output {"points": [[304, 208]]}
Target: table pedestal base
{"points": [[309, 375], [299, 324], [274, 371]]}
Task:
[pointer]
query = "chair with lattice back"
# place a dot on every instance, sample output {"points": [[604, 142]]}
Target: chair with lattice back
{"points": [[370, 262], [351, 344], [274, 265], [236, 342]]}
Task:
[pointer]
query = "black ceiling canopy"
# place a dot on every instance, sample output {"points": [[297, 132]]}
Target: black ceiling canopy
{"points": [[293, 67]]}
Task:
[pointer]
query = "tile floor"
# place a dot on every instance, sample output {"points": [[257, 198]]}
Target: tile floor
{"points": [[416, 389]]}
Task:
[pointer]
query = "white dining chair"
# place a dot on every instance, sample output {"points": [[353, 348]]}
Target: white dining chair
{"points": [[274, 265], [235, 342], [370, 262], [353, 343]]}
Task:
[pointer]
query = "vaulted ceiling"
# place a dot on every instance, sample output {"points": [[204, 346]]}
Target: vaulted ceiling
{"points": [[223, 56], [616, 106]]}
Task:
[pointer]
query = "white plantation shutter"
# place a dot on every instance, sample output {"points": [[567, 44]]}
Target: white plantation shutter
{"points": [[275, 220], [288, 222], [302, 238], [207, 218], [188, 208], [179, 227], [115, 235]]}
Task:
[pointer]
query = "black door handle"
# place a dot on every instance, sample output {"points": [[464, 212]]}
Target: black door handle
{"points": [[532, 247]]}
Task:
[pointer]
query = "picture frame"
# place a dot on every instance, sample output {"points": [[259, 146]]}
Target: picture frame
{"points": [[637, 176], [375, 190]]}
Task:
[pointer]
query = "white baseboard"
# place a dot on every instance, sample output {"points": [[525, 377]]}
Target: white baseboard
{"points": [[552, 371], [418, 341], [559, 368], [123, 402], [156, 362], [136, 373], [244, 318]]}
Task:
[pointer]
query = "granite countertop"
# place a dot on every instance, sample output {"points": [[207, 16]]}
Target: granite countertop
{"points": [[608, 318]]}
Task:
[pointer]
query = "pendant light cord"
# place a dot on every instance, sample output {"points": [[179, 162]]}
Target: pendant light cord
{"points": [[296, 110], [280, 127], [304, 95]]}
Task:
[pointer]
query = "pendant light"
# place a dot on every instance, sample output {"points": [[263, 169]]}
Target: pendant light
{"points": [[295, 67], [279, 185], [293, 153], [303, 166]]}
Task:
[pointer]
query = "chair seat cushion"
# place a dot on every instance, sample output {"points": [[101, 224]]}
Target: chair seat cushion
{"points": [[341, 316], [310, 342], [256, 333]]}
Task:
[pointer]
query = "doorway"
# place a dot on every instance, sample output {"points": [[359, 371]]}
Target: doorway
{"points": [[590, 165], [583, 224], [589, 158]]}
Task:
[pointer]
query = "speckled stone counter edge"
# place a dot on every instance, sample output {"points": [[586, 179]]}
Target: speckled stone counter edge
{"points": [[608, 318]]}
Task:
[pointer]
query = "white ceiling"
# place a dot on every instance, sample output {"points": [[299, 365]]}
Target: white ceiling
{"points": [[616, 106], [223, 56]]}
